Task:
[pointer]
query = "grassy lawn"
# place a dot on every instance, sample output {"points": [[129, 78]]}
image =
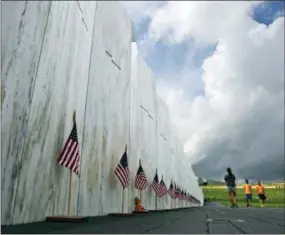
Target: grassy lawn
{"points": [[275, 197]]}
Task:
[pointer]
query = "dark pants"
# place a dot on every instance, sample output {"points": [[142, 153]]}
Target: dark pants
{"points": [[261, 197]]}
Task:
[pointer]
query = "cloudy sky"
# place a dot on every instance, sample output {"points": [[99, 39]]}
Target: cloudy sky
{"points": [[220, 68]]}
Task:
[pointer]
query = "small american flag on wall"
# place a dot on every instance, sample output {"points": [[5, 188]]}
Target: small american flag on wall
{"points": [[176, 190], [69, 155], [171, 191], [155, 185], [163, 188], [179, 193], [122, 171], [140, 179]]}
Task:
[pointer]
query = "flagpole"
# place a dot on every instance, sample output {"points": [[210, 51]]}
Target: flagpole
{"points": [[69, 193], [123, 200], [156, 193], [139, 191], [70, 179]]}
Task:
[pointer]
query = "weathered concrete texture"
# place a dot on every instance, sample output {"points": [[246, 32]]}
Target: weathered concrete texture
{"points": [[202, 220], [60, 57]]}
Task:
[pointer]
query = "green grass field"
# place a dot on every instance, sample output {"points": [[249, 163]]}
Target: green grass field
{"points": [[275, 197]]}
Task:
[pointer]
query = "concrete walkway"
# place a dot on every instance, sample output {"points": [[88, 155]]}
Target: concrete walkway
{"points": [[209, 220]]}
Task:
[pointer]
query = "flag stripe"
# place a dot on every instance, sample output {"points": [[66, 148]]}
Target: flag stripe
{"points": [[65, 150], [69, 155]]}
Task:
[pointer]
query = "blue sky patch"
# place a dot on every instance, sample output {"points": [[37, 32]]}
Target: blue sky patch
{"points": [[267, 12]]}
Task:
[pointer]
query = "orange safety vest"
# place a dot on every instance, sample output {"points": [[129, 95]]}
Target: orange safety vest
{"points": [[247, 189], [260, 189]]}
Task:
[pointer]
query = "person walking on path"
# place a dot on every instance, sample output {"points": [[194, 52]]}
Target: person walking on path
{"points": [[248, 193], [261, 193], [230, 180]]}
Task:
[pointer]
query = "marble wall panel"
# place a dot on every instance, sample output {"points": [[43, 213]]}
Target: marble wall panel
{"points": [[163, 127], [173, 161], [113, 27], [24, 25], [143, 127], [134, 107], [43, 184], [147, 89], [107, 113], [143, 142], [173, 152], [147, 152], [147, 128], [86, 18], [163, 141]]}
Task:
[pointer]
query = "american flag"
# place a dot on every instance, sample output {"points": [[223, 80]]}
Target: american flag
{"points": [[171, 191], [163, 188], [156, 186], [179, 194], [69, 155], [122, 171], [140, 180], [176, 191]]}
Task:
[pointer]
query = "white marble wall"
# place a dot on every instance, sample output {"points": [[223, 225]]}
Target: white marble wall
{"points": [[60, 88], [60, 57], [153, 140], [107, 127], [163, 137], [174, 161], [24, 24], [134, 107], [143, 127]]}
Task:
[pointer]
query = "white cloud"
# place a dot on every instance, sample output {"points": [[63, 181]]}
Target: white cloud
{"points": [[206, 21], [140, 10], [239, 122]]}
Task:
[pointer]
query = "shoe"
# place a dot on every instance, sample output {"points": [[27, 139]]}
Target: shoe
{"points": [[236, 205]]}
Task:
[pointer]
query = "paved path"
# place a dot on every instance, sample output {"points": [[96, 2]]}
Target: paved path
{"points": [[209, 220]]}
